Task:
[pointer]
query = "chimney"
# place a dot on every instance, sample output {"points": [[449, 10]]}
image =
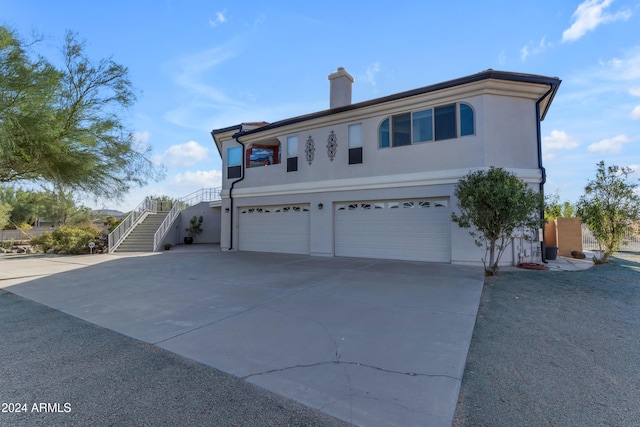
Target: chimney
{"points": [[340, 88]]}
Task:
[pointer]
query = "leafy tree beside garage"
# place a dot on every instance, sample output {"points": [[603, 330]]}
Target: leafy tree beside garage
{"points": [[493, 204], [609, 206]]}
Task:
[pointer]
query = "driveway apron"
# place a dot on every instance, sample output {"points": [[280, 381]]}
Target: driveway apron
{"points": [[372, 342]]}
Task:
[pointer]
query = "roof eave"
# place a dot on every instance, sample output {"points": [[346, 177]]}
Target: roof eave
{"points": [[554, 82]]}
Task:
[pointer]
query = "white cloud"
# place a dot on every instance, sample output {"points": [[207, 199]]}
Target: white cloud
{"points": [[589, 15], [141, 141], [557, 140], [142, 137], [370, 75], [611, 76], [534, 48], [198, 179], [193, 68], [219, 19], [183, 155], [610, 145], [635, 113], [625, 69], [193, 75]]}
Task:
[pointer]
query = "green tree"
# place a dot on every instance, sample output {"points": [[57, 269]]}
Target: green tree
{"points": [[493, 203], [5, 213], [165, 203], [23, 204], [609, 207], [66, 126], [57, 205], [554, 209]]}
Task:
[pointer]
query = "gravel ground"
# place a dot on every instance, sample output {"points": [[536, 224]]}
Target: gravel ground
{"points": [[87, 375], [556, 349]]}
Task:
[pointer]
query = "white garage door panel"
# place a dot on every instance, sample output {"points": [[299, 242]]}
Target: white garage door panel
{"points": [[403, 229], [283, 229]]}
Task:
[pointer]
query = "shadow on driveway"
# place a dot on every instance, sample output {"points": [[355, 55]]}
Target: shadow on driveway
{"points": [[368, 341]]}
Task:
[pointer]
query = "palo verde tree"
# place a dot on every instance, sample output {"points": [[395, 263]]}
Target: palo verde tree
{"points": [[66, 125], [493, 204], [609, 206]]}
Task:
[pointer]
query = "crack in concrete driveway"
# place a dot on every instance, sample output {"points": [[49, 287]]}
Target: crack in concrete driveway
{"points": [[373, 342]]}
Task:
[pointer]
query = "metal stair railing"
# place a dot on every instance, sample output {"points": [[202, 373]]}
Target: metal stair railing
{"points": [[202, 195], [118, 235]]}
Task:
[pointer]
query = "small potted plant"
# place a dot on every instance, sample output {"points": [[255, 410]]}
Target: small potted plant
{"points": [[167, 246], [194, 228]]}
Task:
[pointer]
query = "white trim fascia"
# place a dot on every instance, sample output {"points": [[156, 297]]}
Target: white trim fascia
{"points": [[447, 177]]}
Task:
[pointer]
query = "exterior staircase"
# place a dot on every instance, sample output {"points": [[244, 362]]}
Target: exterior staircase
{"points": [[140, 239]]}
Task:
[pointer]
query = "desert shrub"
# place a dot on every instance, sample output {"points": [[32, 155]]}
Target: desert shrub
{"points": [[44, 241], [71, 239], [111, 222], [89, 226]]}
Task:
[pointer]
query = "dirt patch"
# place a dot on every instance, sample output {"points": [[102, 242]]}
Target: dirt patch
{"points": [[556, 348]]}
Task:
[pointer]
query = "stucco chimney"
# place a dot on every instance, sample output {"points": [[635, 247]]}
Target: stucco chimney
{"points": [[340, 88]]}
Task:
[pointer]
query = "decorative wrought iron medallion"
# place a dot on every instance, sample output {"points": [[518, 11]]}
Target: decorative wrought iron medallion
{"points": [[310, 150], [332, 145]]}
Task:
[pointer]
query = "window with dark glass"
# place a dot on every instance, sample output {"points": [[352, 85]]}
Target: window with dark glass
{"points": [[292, 154], [234, 162], [401, 128], [445, 122], [422, 126], [355, 144], [383, 136], [433, 124], [466, 120]]}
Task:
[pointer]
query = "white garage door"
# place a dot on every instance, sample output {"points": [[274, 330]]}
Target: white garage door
{"points": [[417, 229], [283, 229]]}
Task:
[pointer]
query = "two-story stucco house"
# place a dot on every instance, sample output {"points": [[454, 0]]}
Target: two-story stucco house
{"points": [[376, 179]]}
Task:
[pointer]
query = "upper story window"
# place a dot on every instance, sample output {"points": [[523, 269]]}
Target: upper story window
{"points": [[355, 143], [466, 120], [434, 124], [234, 162], [292, 154], [263, 153]]}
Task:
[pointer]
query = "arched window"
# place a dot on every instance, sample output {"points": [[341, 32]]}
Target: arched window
{"points": [[383, 134], [466, 120]]}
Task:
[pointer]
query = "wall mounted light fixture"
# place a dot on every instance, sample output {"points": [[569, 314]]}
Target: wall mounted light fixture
{"points": [[226, 210], [319, 205]]}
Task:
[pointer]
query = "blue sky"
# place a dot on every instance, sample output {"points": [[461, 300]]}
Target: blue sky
{"points": [[201, 65]]}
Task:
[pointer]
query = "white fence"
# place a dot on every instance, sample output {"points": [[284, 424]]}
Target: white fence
{"points": [[589, 243]]}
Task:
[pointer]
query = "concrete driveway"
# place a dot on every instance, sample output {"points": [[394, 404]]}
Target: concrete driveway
{"points": [[371, 342]]}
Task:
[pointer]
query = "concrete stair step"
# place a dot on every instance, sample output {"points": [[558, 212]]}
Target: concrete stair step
{"points": [[140, 239]]}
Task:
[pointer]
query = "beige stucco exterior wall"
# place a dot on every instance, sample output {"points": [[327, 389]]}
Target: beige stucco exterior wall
{"points": [[550, 235], [565, 234], [569, 235], [505, 136]]}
